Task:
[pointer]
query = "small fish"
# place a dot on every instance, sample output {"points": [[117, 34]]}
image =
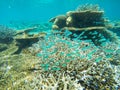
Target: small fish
{"points": [[94, 37], [94, 33], [98, 59], [82, 33], [38, 54], [101, 40], [84, 37], [67, 33], [108, 50], [75, 35]]}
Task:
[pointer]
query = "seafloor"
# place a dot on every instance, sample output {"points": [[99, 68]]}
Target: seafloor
{"points": [[67, 53]]}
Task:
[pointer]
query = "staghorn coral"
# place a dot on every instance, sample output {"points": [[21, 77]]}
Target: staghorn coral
{"points": [[73, 65], [59, 63]]}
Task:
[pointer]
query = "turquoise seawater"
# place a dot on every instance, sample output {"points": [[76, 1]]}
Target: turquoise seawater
{"points": [[43, 10], [59, 45]]}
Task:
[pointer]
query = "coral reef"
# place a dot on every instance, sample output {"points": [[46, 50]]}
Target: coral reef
{"points": [[26, 37], [14, 69], [74, 64], [88, 7], [6, 34], [78, 56], [87, 21], [116, 28], [84, 19], [22, 38], [62, 64], [85, 16], [3, 47], [59, 63], [58, 22], [8, 49]]}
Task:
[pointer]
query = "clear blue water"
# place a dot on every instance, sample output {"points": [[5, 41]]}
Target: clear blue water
{"points": [[43, 10]]}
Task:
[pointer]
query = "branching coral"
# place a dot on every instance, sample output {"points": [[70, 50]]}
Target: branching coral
{"points": [[73, 64], [6, 33], [60, 63]]}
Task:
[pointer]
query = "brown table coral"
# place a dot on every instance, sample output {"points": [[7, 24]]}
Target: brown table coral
{"points": [[87, 18]]}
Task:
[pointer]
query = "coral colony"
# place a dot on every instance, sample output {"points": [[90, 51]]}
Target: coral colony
{"points": [[79, 53], [6, 34]]}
